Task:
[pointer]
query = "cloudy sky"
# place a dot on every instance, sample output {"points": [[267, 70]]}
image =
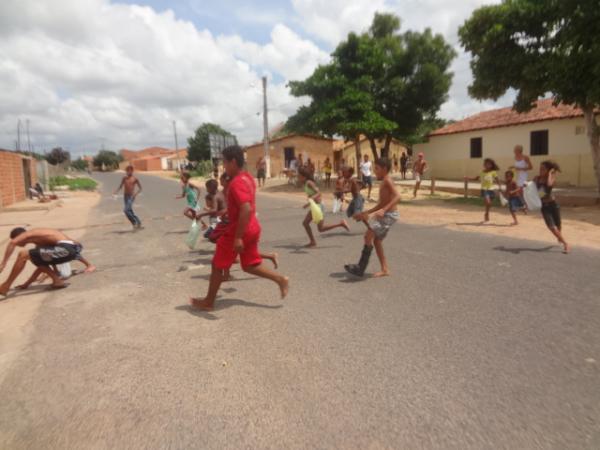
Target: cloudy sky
{"points": [[87, 73]]}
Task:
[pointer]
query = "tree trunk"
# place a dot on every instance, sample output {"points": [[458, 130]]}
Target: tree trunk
{"points": [[357, 153], [385, 153], [373, 148], [593, 132]]}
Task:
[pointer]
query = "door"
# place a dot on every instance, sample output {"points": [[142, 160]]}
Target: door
{"points": [[288, 153], [27, 176]]}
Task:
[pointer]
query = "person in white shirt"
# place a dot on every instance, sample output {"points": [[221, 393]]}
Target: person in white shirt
{"points": [[367, 174]]}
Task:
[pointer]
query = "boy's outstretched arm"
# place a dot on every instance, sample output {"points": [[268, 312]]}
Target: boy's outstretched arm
{"points": [[120, 186]]}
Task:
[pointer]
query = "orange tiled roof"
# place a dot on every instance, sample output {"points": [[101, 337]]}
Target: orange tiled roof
{"points": [[506, 117]]}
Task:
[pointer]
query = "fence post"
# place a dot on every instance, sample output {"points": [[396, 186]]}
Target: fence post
{"points": [[466, 188], [432, 186]]}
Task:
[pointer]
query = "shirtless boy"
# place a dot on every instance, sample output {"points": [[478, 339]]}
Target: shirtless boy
{"points": [[128, 183], [419, 169], [384, 215], [51, 248], [242, 234]]}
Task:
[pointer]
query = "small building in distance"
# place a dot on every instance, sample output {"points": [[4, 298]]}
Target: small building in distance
{"points": [[348, 151], [153, 158], [545, 132], [17, 175], [283, 149]]}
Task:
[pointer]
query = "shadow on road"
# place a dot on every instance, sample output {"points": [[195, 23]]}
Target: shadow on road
{"points": [[483, 224], [222, 305], [518, 250], [121, 232], [345, 277], [25, 292], [176, 232]]}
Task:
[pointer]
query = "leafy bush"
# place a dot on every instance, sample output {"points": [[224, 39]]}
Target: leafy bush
{"points": [[79, 164], [75, 184], [203, 169]]}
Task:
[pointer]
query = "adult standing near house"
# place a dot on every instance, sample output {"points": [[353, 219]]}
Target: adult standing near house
{"points": [[310, 166], [366, 169], [403, 165], [419, 168], [261, 171], [327, 169], [521, 167]]}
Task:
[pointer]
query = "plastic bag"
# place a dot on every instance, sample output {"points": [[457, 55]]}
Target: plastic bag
{"points": [[503, 200], [64, 270], [532, 197], [193, 235], [316, 211], [337, 205]]}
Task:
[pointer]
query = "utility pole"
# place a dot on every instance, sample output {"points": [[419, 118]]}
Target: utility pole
{"points": [[28, 139], [176, 146], [19, 134], [266, 126]]}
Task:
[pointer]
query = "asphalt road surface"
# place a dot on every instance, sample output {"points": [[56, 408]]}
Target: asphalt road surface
{"points": [[475, 342]]}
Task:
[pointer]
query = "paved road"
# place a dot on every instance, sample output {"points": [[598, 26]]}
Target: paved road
{"points": [[476, 342]]}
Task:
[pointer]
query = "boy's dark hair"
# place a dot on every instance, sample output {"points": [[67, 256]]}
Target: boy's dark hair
{"points": [[509, 173], [350, 170], [234, 153], [16, 232], [384, 163], [306, 173], [212, 184], [129, 167], [549, 165], [186, 176], [491, 162]]}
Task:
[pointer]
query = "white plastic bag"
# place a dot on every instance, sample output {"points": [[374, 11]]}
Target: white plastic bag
{"points": [[337, 205], [532, 197], [64, 270], [193, 235], [503, 200]]}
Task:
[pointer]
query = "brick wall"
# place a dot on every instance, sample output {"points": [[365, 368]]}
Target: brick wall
{"points": [[12, 181]]}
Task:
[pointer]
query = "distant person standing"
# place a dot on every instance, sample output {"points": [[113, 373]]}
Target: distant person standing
{"points": [[521, 168], [129, 183], [419, 169], [327, 169], [261, 171], [366, 170], [310, 166], [403, 165], [395, 163]]}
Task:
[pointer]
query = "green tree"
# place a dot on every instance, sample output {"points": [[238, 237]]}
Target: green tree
{"points": [[79, 164], [58, 156], [199, 146], [381, 84], [538, 47], [107, 159]]}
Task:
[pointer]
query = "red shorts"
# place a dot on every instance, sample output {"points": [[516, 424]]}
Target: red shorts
{"points": [[225, 254]]}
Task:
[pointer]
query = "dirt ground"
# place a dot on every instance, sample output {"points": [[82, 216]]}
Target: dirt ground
{"points": [[16, 313], [581, 225]]}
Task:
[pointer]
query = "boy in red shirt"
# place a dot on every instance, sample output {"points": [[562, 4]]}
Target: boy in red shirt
{"points": [[242, 234]]}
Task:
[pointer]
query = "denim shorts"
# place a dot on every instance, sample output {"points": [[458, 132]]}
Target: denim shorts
{"points": [[515, 203], [488, 193]]}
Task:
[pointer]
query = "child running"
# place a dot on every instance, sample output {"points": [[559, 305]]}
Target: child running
{"points": [[488, 177], [191, 193], [242, 234], [352, 186], [513, 194], [128, 183], [339, 192], [385, 214], [550, 209], [313, 193]]}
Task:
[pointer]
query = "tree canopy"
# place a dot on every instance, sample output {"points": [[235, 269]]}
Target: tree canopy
{"points": [[58, 156], [381, 84], [199, 145], [107, 159], [538, 47]]}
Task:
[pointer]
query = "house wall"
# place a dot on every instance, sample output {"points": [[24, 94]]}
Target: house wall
{"points": [[147, 164], [449, 155], [315, 149], [12, 179], [349, 153]]}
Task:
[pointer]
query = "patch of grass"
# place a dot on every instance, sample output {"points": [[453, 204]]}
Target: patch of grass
{"points": [[75, 184], [472, 201]]}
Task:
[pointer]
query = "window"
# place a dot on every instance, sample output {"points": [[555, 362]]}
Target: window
{"points": [[476, 147], [289, 155], [539, 142]]}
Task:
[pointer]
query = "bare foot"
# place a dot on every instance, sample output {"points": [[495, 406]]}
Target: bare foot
{"points": [[90, 269], [284, 286], [514, 224], [57, 286], [383, 273], [3, 289], [310, 245], [202, 304], [345, 225], [566, 249], [22, 286]]}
